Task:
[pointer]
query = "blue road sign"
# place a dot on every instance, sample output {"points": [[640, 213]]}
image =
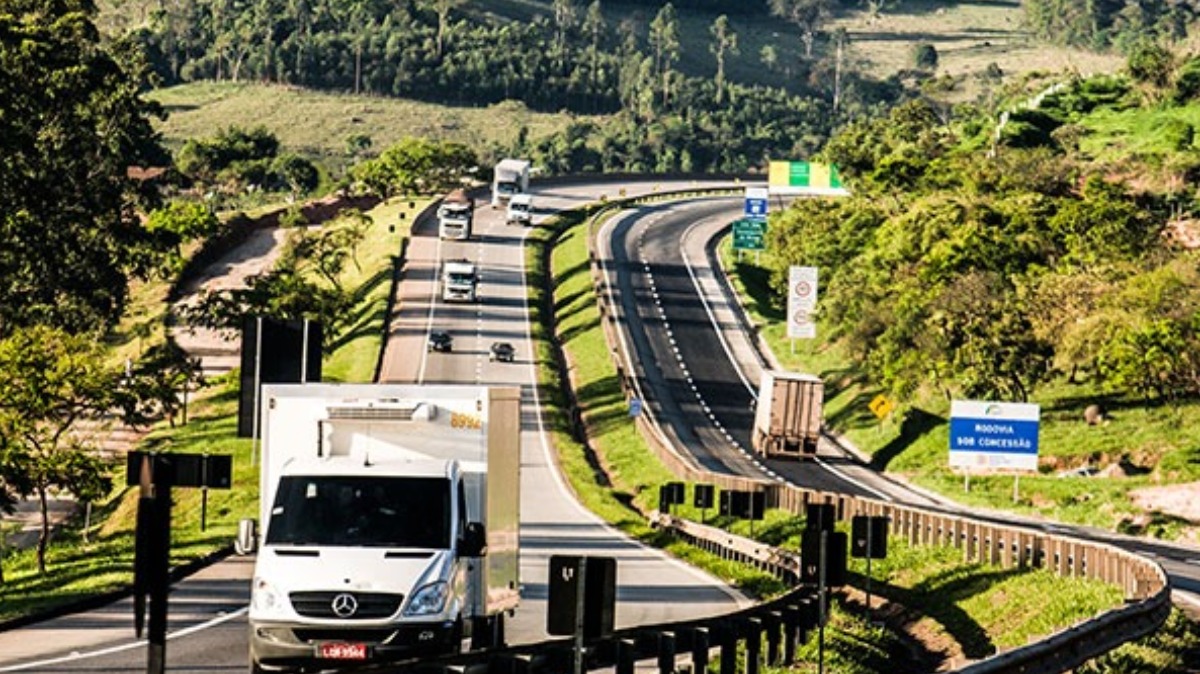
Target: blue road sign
{"points": [[993, 435]]}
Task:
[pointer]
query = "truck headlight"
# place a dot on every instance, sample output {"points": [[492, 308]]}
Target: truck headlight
{"points": [[428, 599], [264, 597]]}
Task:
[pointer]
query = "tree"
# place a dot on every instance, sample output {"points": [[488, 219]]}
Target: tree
{"points": [[594, 27], [664, 38], [50, 380], [415, 166], [72, 123], [725, 41], [807, 15], [298, 173], [565, 16], [442, 8], [925, 56], [179, 222]]}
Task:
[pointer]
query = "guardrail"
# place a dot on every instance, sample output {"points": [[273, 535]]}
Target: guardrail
{"points": [[1144, 582]]}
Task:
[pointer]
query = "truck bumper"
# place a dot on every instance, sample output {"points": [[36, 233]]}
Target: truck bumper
{"points": [[290, 645]]}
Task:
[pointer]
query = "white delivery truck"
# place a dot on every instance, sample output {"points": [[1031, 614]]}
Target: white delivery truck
{"points": [[788, 415], [456, 215], [389, 522], [510, 177], [520, 209], [460, 281]]}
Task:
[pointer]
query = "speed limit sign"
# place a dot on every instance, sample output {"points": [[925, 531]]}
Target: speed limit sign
{"points": [[802, 302]]}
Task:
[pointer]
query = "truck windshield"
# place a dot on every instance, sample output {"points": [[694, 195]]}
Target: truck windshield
{"points": [[408, 512], [461, 279]]}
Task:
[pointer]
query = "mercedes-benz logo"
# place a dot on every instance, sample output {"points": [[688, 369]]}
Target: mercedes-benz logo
{"points": [[344, 605]]}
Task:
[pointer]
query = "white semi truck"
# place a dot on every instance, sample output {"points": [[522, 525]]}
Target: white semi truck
{"points": [[456, 215], [510, 177], [389, 522], [460, 281], [788, 415]]}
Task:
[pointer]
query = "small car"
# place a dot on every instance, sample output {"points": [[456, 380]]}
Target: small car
{"points": [[440, 340], [502, 351]]}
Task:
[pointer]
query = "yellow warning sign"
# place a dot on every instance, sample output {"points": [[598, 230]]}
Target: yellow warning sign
{"points": [[881, 406]]}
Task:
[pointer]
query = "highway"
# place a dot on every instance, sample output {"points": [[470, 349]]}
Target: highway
{"points": [[208, 629], [686, 342]]}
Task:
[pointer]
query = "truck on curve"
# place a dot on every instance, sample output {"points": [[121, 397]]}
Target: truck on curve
{"points": [[460, 281], [389, 523], [788, 415], [456, 215], [510, 177]]}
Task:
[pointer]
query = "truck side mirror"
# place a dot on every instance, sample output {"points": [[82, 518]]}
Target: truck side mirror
{"points": [[474, 540], [247, 537]]}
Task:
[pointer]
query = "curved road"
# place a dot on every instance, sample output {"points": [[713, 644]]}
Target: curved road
{"points": [[696, 349]]}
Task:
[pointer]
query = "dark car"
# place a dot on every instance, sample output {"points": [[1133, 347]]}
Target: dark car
{"points": [[440, 340], [502, 351]]}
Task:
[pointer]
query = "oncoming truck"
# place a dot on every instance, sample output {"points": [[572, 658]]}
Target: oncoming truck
{"points": [[389, 522], [511, 176], [456, 216], [788, 415], [460, 281]]}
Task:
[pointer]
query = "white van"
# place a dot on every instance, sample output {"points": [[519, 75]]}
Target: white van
{"points": [[520, 209]]}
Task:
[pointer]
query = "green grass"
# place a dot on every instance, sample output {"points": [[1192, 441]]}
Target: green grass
{"points": [[317, 124], [1151, 445], [1149, 134], [358, 348]]}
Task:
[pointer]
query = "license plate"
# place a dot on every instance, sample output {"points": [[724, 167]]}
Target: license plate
{"points": [[342, 651]]}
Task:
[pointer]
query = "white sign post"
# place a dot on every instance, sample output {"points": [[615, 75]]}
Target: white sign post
{"points": [[802, 302]]}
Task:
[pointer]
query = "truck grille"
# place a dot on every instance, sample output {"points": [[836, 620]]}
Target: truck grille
{"points": [[364, 605]]}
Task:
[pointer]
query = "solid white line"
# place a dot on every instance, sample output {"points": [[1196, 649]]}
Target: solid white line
{"points": [[126, 647]]}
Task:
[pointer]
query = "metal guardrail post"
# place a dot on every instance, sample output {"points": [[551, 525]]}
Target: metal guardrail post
{"points": [[626, 656], [666, 653], [700, 648], [772, 622], [753, 632], [727, 637]]}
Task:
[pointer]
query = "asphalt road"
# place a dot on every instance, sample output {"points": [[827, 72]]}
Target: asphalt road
{"points": [[208, 629]]}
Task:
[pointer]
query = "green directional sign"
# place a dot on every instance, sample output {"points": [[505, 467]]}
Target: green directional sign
{"points": [[748, 234]]}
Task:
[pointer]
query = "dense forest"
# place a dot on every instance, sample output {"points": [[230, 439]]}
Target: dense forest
{"points": [[571, 58]]}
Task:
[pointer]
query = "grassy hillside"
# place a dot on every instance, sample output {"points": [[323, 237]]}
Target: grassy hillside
{"points": [[318, 124]]}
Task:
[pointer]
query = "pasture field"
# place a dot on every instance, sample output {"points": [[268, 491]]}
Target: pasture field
{"points": [[319, 124]]}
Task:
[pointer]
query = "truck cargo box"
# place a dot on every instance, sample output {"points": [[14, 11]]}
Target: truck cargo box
{"points": [[788, 416]]}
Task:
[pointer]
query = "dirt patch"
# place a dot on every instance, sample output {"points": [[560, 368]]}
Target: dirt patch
{"points": [[931, 648], [1178, 500], [220, 351]]}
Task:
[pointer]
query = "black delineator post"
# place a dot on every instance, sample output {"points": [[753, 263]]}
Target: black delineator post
{"points": [[155, 474], [152, 549]]}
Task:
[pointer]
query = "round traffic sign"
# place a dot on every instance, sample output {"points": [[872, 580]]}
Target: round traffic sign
{"points": [[803, 288]]}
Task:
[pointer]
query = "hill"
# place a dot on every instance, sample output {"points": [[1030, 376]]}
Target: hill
{"points": [[320, 124]]}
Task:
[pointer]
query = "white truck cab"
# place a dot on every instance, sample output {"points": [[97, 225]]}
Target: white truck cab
{"points": [[390, 520]]}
